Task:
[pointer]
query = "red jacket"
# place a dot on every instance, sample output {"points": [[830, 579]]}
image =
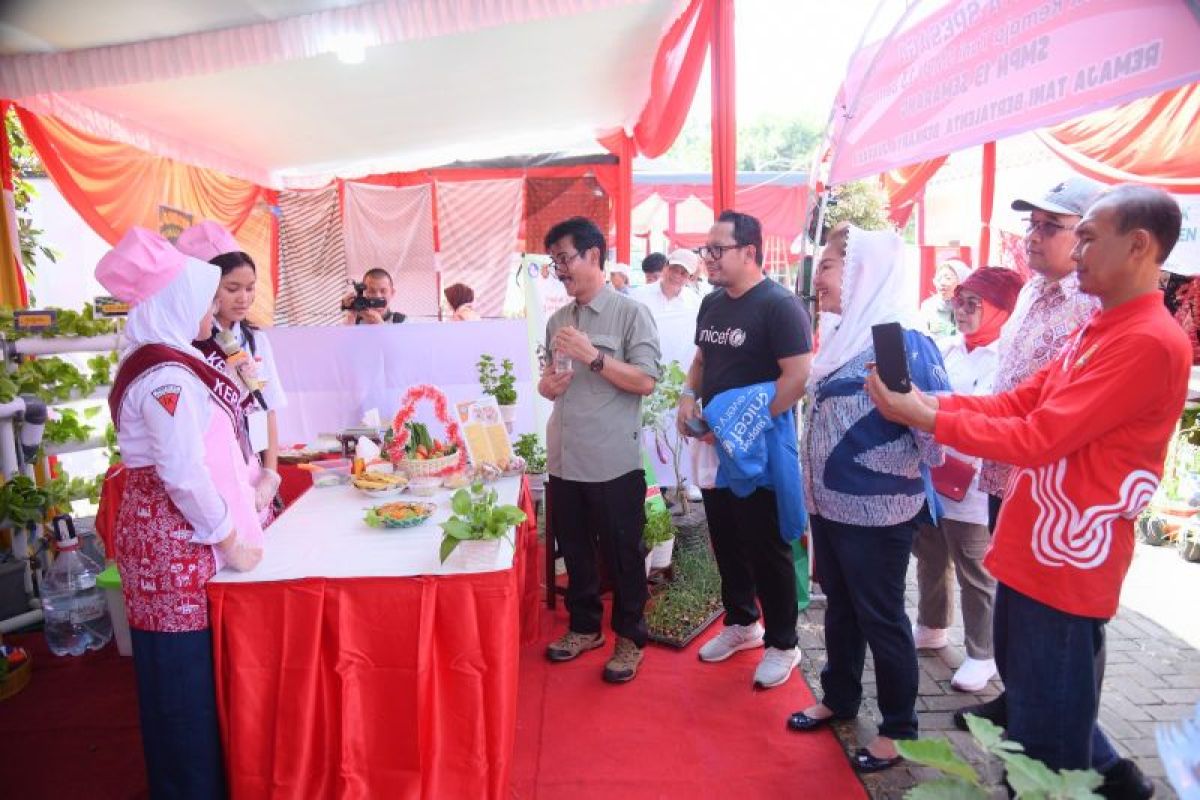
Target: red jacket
{"points": [[1088, 435]]}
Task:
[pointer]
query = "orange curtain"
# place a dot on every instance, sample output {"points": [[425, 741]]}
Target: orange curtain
{"points": [[904, 187], [1152, 140], [13, 293], [115, 186]]}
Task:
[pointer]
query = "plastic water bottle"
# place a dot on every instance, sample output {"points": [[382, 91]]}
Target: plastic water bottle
{"points": [[76, 615]]}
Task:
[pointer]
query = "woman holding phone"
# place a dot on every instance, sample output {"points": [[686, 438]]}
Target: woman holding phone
{"points": [[867, 486], [982, 304]]}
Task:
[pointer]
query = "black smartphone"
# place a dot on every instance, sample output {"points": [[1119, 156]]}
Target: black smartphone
{"points": [[697, 425], [891, 359]]}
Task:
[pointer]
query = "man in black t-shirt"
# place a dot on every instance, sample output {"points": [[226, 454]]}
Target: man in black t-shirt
{"points": [[749, 330]]}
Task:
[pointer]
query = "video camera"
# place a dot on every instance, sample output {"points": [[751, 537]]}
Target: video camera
{"points": [[361, 302]]}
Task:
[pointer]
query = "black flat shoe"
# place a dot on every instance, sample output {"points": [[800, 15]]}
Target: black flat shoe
{"points": [[865, 762], [803, 723]]}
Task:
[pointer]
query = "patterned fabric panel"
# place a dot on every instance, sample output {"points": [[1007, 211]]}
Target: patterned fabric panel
{"points": [[479, 224], [391, 228], [312, 259]]}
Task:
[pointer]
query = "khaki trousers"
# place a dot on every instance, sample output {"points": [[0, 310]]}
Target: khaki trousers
{"points": [[956, 547]]}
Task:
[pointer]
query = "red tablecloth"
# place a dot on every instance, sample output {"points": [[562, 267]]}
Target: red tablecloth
{"points": [[374, 687]]}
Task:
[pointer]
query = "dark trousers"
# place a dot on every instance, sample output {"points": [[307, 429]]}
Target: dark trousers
{"points": [[862, 570], [753, 560], [177, 706], [595, 521], [1104, 756], [1052, 664]]}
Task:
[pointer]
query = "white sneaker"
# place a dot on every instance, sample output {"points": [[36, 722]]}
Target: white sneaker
{"points": [[776, 667], [694, 495], [731, 639], [930, 638], [974, 675]]}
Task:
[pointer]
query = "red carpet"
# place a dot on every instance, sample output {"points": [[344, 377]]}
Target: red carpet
{"points": [[681, 729], [73, 732]]}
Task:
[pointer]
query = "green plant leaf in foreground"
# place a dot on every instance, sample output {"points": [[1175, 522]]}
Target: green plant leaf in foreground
{"points": [[991, 736], [946, 789], [448, 545], [937, 753], [1029, 777]]}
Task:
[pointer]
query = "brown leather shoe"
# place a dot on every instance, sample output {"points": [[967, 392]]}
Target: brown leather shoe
{"points": [[624, 662], [571, 645]]}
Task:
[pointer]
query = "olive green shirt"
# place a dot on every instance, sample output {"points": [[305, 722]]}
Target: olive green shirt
{"points": [[594, 434]]}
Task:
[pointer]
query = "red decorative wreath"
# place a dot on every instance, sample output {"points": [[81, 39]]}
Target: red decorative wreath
{"points": [[441, 409]]}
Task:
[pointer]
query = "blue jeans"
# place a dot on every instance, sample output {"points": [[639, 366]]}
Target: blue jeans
{"points": [[1052, 664]]}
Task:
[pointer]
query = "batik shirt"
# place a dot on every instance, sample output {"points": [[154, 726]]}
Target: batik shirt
{"points": [[1047, 313]]}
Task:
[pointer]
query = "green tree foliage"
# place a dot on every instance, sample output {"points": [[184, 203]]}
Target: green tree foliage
{"points": [[26, 164], [767, 143]]}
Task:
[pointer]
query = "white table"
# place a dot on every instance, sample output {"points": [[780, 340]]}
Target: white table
{"points": [[323, 535]]}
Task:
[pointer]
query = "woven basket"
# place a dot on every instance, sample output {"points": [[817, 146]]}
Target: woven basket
{"points": [[17, 679], [429, 468]]}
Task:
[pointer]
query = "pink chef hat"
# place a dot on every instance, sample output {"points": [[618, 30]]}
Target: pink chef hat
{"points": [[206, 240], [139, 266]]}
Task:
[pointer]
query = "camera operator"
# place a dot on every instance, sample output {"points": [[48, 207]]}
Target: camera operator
{"points": [[368, 304]]}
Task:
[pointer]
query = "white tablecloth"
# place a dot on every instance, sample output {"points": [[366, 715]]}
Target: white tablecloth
{"points": [[323, 536]]}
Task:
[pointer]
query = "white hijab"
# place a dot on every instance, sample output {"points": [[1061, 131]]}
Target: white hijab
{"points": [[172, 315], [873, 284]]}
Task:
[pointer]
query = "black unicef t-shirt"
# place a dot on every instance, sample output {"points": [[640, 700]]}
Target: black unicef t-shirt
{"points": [[743, 339]]}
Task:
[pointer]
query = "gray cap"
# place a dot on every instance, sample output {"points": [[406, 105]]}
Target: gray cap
{"points": [[1072, 196]]}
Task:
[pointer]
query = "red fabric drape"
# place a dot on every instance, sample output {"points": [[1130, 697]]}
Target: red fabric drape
{"points": [[987, 200], [904, 187], [115, 186], [374, 687], [13, 292], [724, 118], [677, 67], [1154, 140]]}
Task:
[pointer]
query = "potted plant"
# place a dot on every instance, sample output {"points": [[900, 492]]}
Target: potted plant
{"points": [[501, 383], [529, 448], [658, 415], [471, 536], [659, 536]]}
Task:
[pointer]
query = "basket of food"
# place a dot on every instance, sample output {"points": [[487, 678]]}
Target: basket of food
{"points": [[399, 515], [16, 668], [425, 456], [379, 484]]}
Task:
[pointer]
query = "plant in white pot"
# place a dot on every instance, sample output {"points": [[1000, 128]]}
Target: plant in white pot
{"points": [[659, 536], [471, 536], [501, 383], [529, 447]]}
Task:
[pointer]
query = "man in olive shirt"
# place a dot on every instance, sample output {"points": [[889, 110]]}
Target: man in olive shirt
{"points": [[597, 486]]}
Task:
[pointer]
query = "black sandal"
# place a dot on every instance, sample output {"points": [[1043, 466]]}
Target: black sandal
{"points": [[865, 762]]}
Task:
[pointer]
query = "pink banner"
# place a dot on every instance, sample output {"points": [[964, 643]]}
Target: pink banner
{"points": [[975, 71]]}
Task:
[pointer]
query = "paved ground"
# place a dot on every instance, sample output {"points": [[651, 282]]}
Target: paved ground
{"points": [[1153, 673]]}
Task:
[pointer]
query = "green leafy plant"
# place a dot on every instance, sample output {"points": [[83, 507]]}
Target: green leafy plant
{"points": [[26, 164], [498, 381], [69, 427], [689, 601], [659, 528], [101, 366], [477, 517], [62, 490], [111, 449], [22, 502], [529, 447], [52, 379], [1028, 777], [657, 416]]}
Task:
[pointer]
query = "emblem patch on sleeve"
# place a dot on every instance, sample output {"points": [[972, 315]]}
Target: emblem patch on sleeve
{"points": [[167, 397]]}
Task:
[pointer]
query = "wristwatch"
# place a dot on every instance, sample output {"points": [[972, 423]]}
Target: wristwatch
{"points": [[598, 363]]}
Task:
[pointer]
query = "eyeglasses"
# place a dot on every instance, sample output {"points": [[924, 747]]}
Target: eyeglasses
{"points": [[561, 260], [1046, 228], [714, 252], [967, 305]]}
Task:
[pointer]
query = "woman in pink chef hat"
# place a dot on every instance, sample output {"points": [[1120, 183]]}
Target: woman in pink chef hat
{"points": [[177, 524]]}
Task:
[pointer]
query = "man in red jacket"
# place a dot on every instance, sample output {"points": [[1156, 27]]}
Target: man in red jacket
{"points": [[1087, 435]]}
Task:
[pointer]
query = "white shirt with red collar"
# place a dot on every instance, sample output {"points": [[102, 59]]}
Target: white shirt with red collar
{"points": [[1087, 436], [164, 417]]}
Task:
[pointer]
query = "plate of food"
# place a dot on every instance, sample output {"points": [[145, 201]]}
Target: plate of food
{"points": [[379, 484], [399, 515]]}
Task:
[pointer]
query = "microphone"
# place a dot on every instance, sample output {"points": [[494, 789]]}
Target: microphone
{"points": [[241, 365]]}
